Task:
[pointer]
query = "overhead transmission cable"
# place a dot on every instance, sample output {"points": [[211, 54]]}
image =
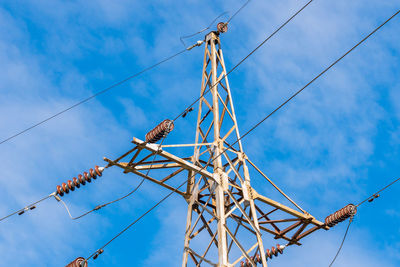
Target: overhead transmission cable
{"points": [[244, 135], [341, 245], [237, 12], [245, 58], [99, 93], [122, 81], [212, 23], [27, 208], [203, 30], [376, 195]]}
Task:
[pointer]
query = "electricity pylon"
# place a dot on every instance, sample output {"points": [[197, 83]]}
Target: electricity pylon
{"points": [[227, 222]]}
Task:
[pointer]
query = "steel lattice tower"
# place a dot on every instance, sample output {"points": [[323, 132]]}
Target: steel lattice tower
{"points": [[227, 220]]}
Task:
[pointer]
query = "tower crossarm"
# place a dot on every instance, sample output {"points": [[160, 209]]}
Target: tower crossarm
{"points": [[140, 160]]}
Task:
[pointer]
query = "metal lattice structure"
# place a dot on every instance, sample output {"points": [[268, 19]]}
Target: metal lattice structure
{"points": [[227, 222]]}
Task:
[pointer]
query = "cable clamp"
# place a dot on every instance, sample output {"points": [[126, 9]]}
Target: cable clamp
{"points": [[187, 111], [373, 197], [99, 207], [26, 209], [98, 252]]}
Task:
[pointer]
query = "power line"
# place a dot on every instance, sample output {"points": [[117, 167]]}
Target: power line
{"points": [[246, 57], [237, 12], [211, 24], [28, 207], [341, 245], [324, 71], [244, 135], [208, 27], [100, 205], [376, 195], [95, 95]]}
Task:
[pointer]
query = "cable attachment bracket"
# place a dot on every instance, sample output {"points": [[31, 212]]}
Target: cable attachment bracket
{"points": [[198, 43]]}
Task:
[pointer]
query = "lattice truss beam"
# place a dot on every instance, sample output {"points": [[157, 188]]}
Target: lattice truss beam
{"points": [[227, 220]]}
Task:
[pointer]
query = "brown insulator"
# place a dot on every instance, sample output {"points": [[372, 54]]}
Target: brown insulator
{"points": [[76, 182], [348, 211], [92, 174], [258, 258], [81, 179], [60, 190], [274, 251], [160, 131], [87, 177], [65, 188], [222, 27], [78, 262], [71, 185], [99, 170]]}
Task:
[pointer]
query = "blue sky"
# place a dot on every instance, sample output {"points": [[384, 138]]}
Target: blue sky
{"points": [[336, 143]]}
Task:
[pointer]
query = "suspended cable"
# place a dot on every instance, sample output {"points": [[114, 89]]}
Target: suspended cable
{"points": [[240, 138], [341, 245], [100, 92], [245, 58], [212, 23], [376, 195], [323, 72], [28, 207], [237, 12], [208, 27]]}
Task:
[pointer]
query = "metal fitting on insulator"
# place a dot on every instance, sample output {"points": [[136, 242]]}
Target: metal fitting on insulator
{"points": [[339, 216], [160, 131], [78, 262], [64, 188]]}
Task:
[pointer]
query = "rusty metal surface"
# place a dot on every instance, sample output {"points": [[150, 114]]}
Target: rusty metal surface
{"points": [[78, 262]]}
